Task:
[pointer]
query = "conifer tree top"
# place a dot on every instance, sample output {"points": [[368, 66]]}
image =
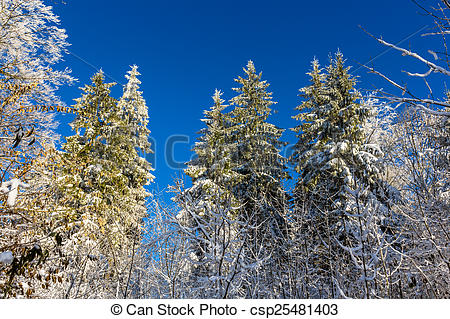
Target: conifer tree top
{"points": [[253, 92], [331, 141]]}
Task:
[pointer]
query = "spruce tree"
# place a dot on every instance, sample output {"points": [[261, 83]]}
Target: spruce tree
{"points": [[133, 111], [330, 154], [208, 205], [212, 167], [237, 192], [339, 196], [256, 150], [103, 185], [255, 145]]}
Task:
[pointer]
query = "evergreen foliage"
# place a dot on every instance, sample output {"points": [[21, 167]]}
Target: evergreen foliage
{"points": [[212, 168], [104, 176], [340, 191], [366, 218], [256, 148]]}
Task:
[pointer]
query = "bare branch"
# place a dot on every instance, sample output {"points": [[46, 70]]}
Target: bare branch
{"points": [[431, 65], [419, 103], [422, 75]]}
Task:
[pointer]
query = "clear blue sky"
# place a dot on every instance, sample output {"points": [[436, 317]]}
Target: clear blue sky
{"points": [[186, 49]]}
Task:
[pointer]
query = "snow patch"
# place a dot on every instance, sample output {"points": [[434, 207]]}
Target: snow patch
{"points": [[6, 257], [12, 189]]}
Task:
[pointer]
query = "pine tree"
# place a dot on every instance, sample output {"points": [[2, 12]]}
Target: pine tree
{"points": [[255, 146], [208, 206], [237, 192], [339, 194], [103, 183], [134, 112], [212, 166], [330, 132], [256, 149]]}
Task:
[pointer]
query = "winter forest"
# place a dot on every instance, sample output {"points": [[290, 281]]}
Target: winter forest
{"points": [[359, 209]]}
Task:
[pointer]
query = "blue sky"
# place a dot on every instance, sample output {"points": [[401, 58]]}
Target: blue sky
{"points": [[186, 49]]}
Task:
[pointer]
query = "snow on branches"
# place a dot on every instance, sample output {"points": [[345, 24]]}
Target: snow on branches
{"points": [[11, 188]]}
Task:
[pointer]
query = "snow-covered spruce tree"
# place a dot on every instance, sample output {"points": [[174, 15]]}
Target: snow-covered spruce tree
{"points": [[255, 153], [208, 207], [134, 111], [207, 170], [212, 165], [102, 184], [255, 147], [340, 200]]}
